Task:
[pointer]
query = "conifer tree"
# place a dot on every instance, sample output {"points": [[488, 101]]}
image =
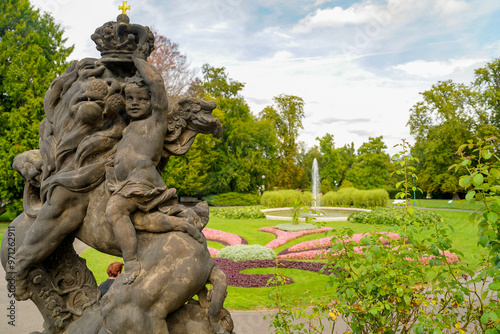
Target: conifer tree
{"points": [[32, 54]]}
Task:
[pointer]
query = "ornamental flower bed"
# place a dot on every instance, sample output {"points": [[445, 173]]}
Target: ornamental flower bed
{"points": [[313, 254], [319, 249], [282, 237], [234, 276], [450, 258], [327, 242], [213, 251], [225, 238]]}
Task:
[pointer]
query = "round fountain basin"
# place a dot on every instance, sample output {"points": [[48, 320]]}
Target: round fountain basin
{"points": [[330, 213]]}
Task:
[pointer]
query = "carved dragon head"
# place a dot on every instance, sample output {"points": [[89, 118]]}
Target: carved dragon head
{"points": [[188, 118]]}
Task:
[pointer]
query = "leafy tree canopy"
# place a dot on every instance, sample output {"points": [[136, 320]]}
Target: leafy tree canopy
{"points": [[32, 54]]}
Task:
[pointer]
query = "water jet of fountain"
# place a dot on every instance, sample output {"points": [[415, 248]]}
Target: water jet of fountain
{"points": [[316, 186]]}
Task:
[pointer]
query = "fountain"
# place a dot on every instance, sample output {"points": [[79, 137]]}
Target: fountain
{"points": [[324, 214], [316, 185]]}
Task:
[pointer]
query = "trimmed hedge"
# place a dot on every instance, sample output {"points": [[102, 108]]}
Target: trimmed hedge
{"points": [[247, 252], [285, 198], [352, 197], [395, 216], [246, 212], [232, 199]]}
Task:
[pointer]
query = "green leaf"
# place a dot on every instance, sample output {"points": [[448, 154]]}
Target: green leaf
{"points": [[483, 240], [464, 181], [418, 329], [478, 179], [484, 318], [495, 173], [487, 155], [470, 195], [407, 299], [492, 216], [495, 286]]}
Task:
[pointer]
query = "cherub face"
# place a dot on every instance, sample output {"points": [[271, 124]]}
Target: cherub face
{"points": [[138, 102]]}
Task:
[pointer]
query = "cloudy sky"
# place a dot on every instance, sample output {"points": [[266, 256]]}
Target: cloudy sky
{"points": [[359, 65]]}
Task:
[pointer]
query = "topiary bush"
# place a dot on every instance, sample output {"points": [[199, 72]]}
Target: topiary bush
{"points": [[284, 198], [352, 197], [247, 252], [395, 216], [246, 212], [232, 199]]}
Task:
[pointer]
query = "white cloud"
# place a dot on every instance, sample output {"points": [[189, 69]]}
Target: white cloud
{"points": [[436, 69], [337, 16], [450, 7]]}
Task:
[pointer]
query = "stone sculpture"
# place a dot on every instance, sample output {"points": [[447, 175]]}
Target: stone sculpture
{"points": [[107, 134]]}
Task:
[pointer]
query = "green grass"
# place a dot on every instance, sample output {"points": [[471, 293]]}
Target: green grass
{"points": [[308, 286], [442, 204], [98, 263]]}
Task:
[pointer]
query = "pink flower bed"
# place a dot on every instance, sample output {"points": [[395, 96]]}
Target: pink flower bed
{"points": [[450, 258], [313, 254], [309, 250], [213, 251], [282, 237], [225, 237], [327, 242]]}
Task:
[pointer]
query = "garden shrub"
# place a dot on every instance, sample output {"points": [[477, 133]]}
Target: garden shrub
{"points": [[232, 199], [352, 197], [395, 216], [331, 198], [247, 252], [285, 198], [246, 212]]}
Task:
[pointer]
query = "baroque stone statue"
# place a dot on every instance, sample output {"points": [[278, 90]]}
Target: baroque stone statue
{"points": [[107, 134]]}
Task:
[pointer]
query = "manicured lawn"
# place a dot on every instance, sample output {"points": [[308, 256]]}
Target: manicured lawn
{"points": [[442, 204], [98, 263], [308, 285]]}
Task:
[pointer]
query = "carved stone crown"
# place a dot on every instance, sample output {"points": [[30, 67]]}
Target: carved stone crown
{"points": [[118, 40]]}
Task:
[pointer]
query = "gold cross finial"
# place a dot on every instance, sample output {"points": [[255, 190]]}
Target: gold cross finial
{"points": [[124, 7]]}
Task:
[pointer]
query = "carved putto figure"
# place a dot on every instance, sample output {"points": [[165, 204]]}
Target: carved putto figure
{"points": [[107, 134]]}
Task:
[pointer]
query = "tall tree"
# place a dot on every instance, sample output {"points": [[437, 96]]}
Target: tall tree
{"points": [[32, 54], [237, 161], [487, 84], [286, 115], [330, 160], [447, 116], [373, 167], [173, 66]]}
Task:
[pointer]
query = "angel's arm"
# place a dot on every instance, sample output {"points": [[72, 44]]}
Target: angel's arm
{"points": [[153, 79]]}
